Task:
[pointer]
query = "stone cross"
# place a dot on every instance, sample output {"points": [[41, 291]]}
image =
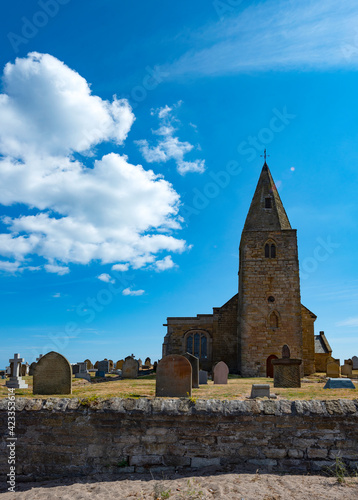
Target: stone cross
{"points": [[16, 364], [38, 359]]}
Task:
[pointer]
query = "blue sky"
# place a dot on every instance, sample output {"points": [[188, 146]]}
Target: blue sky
{"points": [[130, 143]]}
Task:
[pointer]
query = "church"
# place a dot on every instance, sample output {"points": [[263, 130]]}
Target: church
{"points": [[249, 331]]}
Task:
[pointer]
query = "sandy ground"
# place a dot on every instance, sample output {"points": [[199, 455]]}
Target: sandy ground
{"points": [[216, 486]]}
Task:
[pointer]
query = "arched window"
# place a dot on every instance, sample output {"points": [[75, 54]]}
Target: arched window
{"points": [[270, 251], [197, 344], [273, 320]]}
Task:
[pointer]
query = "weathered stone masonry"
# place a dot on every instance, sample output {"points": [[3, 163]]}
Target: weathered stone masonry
{"points": [[61, 437]]}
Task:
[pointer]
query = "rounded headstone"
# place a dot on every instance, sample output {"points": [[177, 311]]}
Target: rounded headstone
{"points": [[119, 364], [88, 364], [173, 377], [130, 368], [220, 373], [52, 375]]}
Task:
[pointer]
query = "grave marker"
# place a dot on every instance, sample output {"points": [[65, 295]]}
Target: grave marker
{"points": [[174, 377], [53, 375], [203, 377], [194, 361], [16, 381], [220, 373], [130, 368]]}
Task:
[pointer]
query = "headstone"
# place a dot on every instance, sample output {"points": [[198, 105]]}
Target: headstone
{"points": [[32, 367], [286, 372], [174, 377], [96, 365], [25, 370], [53, 375], [346, 370], [260, 391], [100, 373], [16, 381], [75, 369], [339, 383], [83, 373], [203, 377], [194, 361], [2, 374], [355, 362], [140, 363], [220, 373], [119, 364], [88, 364], [155, 365], [348, 362], [130, 368], [103, 366], [333, 368], [286, 351], [147, 362], [111, 364]]}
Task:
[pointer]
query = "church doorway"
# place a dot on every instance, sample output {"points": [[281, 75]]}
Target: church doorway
{"points": [[269, 366]]}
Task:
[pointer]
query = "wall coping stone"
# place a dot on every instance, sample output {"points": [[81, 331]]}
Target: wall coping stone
{"points": [[184, 406]]}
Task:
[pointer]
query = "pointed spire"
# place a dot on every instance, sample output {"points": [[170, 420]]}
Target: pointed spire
{"points": [[266, 210]]}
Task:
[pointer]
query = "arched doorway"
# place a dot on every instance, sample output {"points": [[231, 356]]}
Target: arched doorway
{"points": [[269, 366]]}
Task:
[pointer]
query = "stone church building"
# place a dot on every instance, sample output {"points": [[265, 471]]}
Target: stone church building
{"points": [[252, 327]]}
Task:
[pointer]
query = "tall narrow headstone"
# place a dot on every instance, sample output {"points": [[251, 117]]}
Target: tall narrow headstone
{"points": [[355, 362], [194, 361], [53, 375], [203, 377], [16, 381], [103, 366], [173, 377], [220, 373]]}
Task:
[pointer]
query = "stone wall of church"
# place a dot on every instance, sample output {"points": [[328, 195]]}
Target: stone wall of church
{"points": [[225, 341], [308, 341], [259, 279], [71, 438]]}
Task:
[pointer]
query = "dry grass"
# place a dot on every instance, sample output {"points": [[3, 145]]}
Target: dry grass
{"points": [[237, 388]]}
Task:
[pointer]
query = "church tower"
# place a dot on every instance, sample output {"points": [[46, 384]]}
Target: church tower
{"points": [[269, 308]]}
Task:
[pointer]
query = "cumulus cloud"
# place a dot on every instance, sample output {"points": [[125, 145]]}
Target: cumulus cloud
{"points": [[164, 264], [82, 209], [120, 267], [168, 146], [129, 291], [106, 278]]}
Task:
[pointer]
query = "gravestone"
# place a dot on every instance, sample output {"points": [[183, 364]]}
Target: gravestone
{"points": [[174, 377], [103, 366], [96, 365], [83, 373], [148, 362], [111, 364], [346, 370], [75, 369], [16, 381], [25, 369], [88, 364], [220, 373], [155, 365], [119, 364], [260, 391], [100, 373], [3, 374], [32, 367], [53, 375], [333, 368], [203, 377], [355, 362], [194, 361], [130, 368], [140, 363], [286, 371], [339, 383]]}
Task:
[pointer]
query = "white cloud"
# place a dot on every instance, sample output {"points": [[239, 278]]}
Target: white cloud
{"points": [[281, 35], [9, 267], [164, 264], [129, 291], [83, 210], [106, 278], [169, 147], [61, 270], [352, 322], [120, 267], [56, 295]]}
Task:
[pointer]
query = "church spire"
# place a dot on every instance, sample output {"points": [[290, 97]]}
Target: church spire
{"points": [[266, 210]]}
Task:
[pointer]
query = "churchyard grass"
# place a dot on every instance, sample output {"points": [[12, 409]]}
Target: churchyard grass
{"points": [[237, 388]]}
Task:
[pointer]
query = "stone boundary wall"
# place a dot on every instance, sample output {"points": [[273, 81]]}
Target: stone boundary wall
{"points": [[68, 437]]}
